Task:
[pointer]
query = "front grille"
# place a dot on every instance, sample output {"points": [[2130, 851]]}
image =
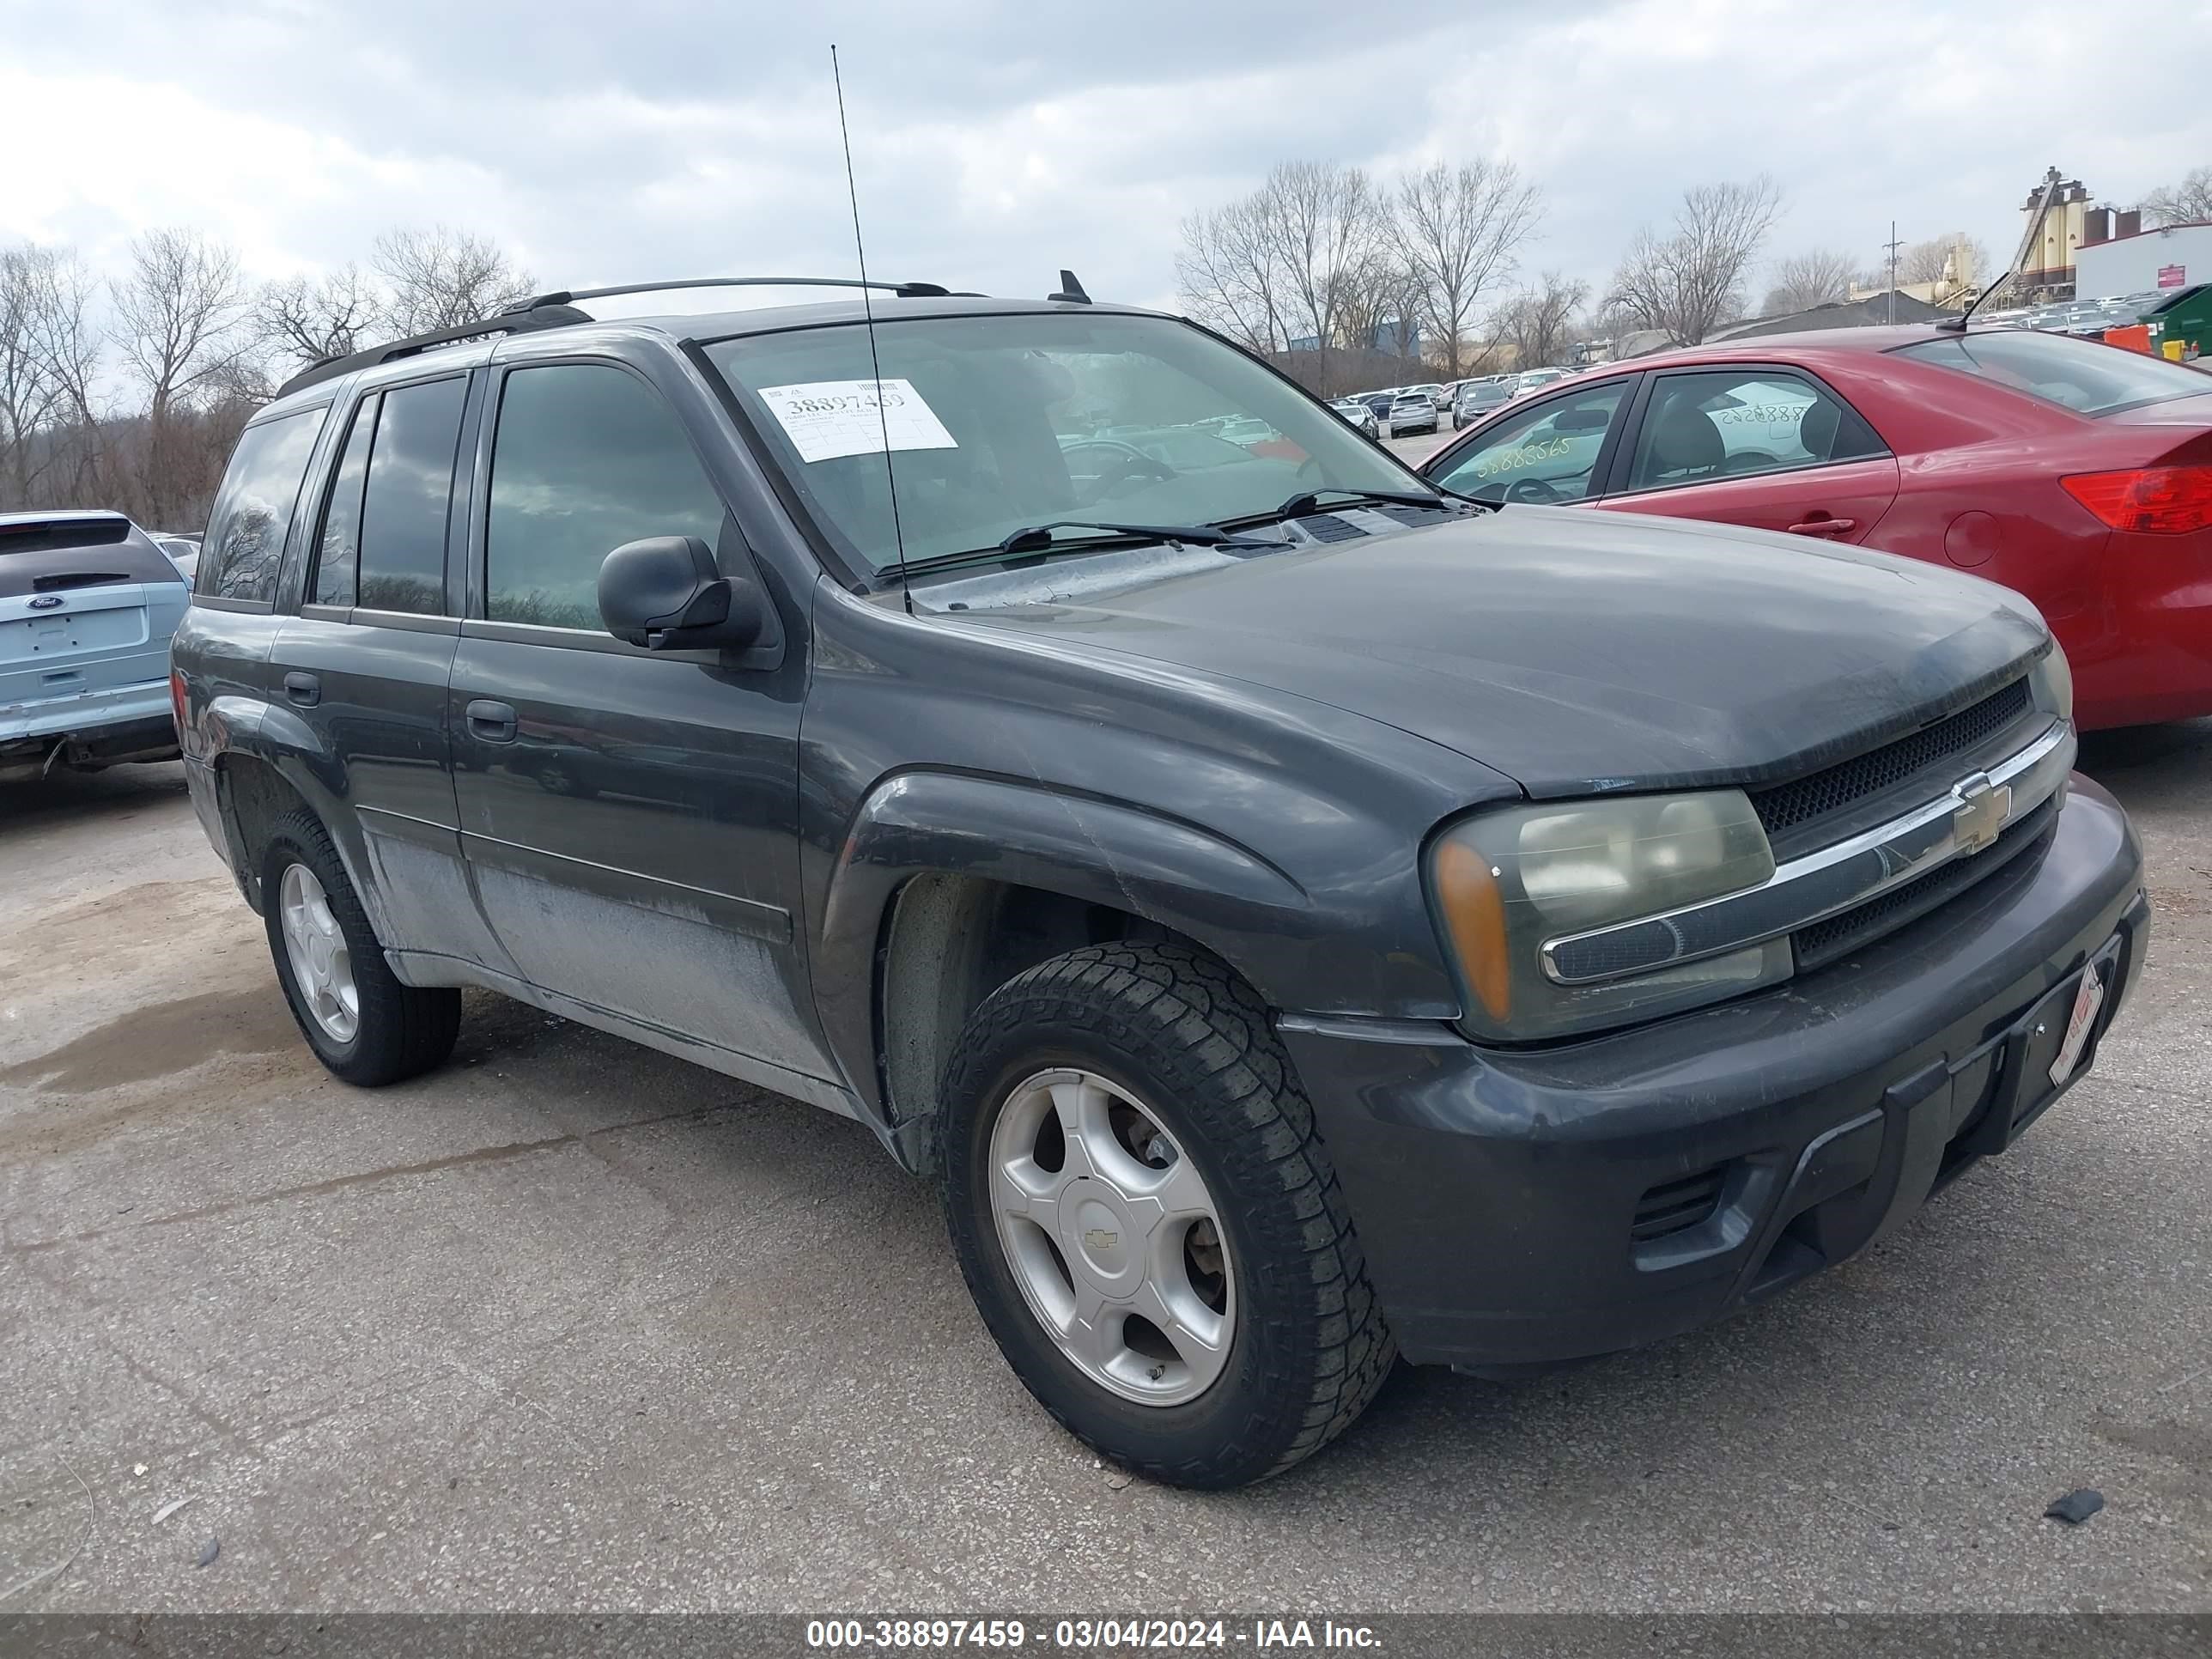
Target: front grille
{"points": [[1786, 805], [1825, 941], [1675, 1206]]}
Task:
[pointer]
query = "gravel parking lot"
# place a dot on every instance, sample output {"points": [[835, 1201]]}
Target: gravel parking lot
{"points": [[571, 1324]]}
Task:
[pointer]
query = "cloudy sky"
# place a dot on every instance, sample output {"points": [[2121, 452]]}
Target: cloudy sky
{"points": [[996, 140]]}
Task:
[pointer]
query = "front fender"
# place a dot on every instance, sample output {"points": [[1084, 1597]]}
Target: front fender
{"points": [[1192, 880]]}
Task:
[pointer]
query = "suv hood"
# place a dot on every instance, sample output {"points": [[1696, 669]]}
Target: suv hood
{"points": [[1580, 652]]}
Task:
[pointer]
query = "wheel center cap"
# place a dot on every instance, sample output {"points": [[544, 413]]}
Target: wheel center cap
{"points": [[1100, 1233]]}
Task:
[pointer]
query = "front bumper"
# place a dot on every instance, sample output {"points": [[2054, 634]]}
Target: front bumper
{"points": [[1513, 1206]]}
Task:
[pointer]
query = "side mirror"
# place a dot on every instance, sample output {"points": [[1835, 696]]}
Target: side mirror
{"points": [[665, 593]]}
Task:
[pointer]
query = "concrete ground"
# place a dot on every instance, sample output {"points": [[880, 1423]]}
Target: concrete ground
{"points": [[571, 1324]]}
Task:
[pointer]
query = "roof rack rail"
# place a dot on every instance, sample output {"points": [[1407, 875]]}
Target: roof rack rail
{"points": [[523, 320], [568, 296]]}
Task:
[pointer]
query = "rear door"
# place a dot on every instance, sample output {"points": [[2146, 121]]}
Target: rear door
{"points": [[1758, 444], [365, 663]]}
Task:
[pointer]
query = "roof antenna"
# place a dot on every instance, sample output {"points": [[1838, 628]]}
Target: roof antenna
{"points": [[1071, 291], [868, 311]]}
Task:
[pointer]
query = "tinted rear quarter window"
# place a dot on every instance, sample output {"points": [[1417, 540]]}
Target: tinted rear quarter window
{"points": [[2085, 376], [243, 552], [407, 496]]}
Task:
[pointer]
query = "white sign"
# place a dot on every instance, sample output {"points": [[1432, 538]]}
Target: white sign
{"points": [[829, 418]]}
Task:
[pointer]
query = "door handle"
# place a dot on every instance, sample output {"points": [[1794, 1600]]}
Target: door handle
{"points": [[491, 722], [1822, 525], [305, 689]]}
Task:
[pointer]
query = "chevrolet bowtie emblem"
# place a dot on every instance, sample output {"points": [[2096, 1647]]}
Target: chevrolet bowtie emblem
{"points": [[1099, 1239], [1982, 808]]}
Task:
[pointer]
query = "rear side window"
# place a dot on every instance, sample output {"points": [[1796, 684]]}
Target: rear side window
{"points": [[337, 552], [2083, 375], [586, 458], [1726, 423], [406, 497], [243, 552]]}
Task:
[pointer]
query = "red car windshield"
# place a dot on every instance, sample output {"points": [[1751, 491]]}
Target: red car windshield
{"points": [[2083, 375]]}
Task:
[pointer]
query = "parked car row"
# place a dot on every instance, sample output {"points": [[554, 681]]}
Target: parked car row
{"points": [[1406, 410]]}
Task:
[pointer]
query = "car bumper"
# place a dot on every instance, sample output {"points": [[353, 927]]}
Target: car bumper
{"points": [[1513, 1205], [131, 722]]}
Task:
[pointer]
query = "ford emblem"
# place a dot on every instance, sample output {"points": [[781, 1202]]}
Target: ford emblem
{"points": [[46, 602]]}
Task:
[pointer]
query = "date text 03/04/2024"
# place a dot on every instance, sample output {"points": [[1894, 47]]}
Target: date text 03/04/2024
{"points": [[1081, 1635]]}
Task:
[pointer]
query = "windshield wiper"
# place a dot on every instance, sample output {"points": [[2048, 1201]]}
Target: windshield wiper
{"points": [[1309, 501], [1036, 541]]}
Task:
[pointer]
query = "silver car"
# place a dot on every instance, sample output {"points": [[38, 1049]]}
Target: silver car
{"points": [[1357, 413], [87, 602], [1477, 398], [1413, 410]]}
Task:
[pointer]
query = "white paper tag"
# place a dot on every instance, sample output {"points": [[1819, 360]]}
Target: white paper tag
{"points": [[829, 418], [2086, 1001]]}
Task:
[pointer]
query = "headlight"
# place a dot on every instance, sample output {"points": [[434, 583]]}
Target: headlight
{"points": [[2052, 683], [1506, 884]]}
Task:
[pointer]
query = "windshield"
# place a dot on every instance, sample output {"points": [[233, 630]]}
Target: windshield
{"points": [[2086, 376], [998, 423]]}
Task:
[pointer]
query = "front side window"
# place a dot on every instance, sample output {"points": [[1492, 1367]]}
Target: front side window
{"points": [[587, 457], [998, 423], [2085, 376], [1547, 453], [406, 497], [1729, 423], [243, 553]]}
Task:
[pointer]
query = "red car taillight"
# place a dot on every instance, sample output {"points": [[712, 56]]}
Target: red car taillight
{"points": [[177, 699], [2164, 501]]}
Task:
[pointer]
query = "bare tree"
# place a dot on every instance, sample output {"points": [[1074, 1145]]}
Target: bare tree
{"points": [[181, 320], [1457, 231], [1228, 277], [1538, 323], [1689, 280], [1956, 257], [2189, 202], [309, 320], [1325, 226], [442, 278], [1818, 276], [33, 399]]}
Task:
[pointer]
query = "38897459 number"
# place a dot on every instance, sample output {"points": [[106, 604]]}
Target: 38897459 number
{"points": [[860, 1634]]}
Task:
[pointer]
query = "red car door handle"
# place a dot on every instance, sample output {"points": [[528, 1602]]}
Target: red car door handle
{"points": [[1825, 526]]}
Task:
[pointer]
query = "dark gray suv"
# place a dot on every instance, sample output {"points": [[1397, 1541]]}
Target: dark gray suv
{"points": [[1299, 917]]}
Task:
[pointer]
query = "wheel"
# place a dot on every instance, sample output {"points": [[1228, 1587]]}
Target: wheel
{"points": [[363, 1025], [1148, 1222]]}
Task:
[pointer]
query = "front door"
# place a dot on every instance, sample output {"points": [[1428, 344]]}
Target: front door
{"points": [[631, 816]]}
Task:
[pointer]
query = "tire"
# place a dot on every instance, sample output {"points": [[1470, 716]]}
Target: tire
{"points": [[398, 1030], [1183, 1037]]}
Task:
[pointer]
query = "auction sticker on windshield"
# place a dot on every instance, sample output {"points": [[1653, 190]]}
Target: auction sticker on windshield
{"points": [[829, 418]]}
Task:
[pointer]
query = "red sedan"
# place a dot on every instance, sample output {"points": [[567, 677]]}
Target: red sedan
{"points": [[2077, 473]]}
